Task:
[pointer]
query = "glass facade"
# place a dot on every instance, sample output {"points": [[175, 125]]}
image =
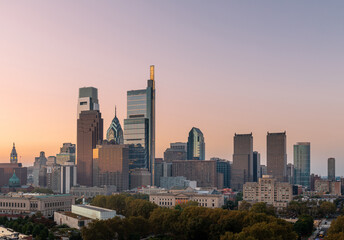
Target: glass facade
{"points": [[196, 145], [302, 164], [224, 168]]}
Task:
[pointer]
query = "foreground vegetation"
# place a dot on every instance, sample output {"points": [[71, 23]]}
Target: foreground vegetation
{"points": [[145, 219]]}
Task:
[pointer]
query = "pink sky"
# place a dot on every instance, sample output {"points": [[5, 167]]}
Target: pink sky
{"points": [[226, 67]]}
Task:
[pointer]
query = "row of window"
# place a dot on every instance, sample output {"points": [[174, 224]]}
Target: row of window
{"points": [[54, 204], [12, 204]]}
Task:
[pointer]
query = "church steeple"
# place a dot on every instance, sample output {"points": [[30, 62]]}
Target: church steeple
{"points": [[14, 156]]}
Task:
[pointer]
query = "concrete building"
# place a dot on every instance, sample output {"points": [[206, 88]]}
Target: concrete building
{"points": [[328, 187], [203, 172], [277, 155], [331, 169], [263, 170], [242, 168], [139, 177], [313, 178], [176, 151], [171, 200], [290, 173], [268, 190], [68, 176], [90, 192], [111, 165], [82, 215], [195, 145], [89, 134], [302, 164], [27, 203], [67, 154], [139, 127], [7, 170], [181, 182], [162, 169]]}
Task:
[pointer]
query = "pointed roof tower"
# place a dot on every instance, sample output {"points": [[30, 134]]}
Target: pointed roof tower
{"points": [[115, 132], [14, 155]]}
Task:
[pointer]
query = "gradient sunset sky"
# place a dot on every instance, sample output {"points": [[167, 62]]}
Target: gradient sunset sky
{"points": [[223, 66]]}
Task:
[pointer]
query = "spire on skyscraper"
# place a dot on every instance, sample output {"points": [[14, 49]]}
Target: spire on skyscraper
{"points": [[115, 132], [14, 156]]}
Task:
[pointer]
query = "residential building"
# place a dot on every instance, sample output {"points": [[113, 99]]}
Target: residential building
{"points": [[139, 127], [242, 168], [302, 164], [277, 155], [195, 145], [331, 169], [268, 190], [328, 187], [313, 178]]}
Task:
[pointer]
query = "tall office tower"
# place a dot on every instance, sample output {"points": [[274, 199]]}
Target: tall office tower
{"points": [[195, 145], [242, 170], [331, 169], [115, 132], [68, 176], [14, 156], [88, 99], [302, 164], [111, 165], [67, 154], [256, 166], [290, 173], [89, 134], [223, 173], [277, 155], [139, 127], [177, 151]]}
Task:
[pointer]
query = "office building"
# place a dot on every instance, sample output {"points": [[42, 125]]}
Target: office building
{"points": [[302, 164], [140, 177], [14, 155], [111, 165], [67, 154], [89, 134], [203, 172], [162, 169], [263, 170], [268, 190], [68, 176], [176, 151], [277, 155], [256, 166], [223, 169], [115, 133], [179, 182], [88, 100], [242, 169], [195, 145], [139, 127], [331, 169], [290, 173]]}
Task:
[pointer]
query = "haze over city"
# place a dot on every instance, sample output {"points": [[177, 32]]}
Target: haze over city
{"points": [[226, 68]]}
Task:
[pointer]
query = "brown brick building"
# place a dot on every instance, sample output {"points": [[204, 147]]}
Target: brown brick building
{"points": [[6, 172], [277, 155]]}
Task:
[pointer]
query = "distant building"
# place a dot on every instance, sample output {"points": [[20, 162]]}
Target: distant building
{"points": [[195, 145], [139, 177], [177, 151], [14, 155], [290, 173], [115, 133], [256, 166], [51, 160], [302, 164], [268, 190], [111, 165], [90, 192], [68, 176], [277, 155], [328, 187], [162, 169], [331, 169], [203, 172], [171, 200], [181, 182], [28, 203], [88, 100], [223, 169], [263, 170], [242, 168], [67, 154], [7, 170]]}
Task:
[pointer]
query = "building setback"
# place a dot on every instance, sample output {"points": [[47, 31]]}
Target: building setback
{"points": [[277, 156]]}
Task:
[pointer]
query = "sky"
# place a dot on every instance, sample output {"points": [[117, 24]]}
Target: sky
{"points": [[225, 67]]}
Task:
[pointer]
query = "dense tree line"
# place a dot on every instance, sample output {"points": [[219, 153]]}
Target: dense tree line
{"points": [[186, 222], [336, 231], [313, 208]]}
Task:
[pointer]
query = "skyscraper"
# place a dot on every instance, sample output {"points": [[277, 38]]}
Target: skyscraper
{"points": [[139, 127], [277, 155], [195, 145], [331, 169], [177, 151], [256, 166], [14, 156], [115, 132], [302, 164], [89, 133], [242, 168]]}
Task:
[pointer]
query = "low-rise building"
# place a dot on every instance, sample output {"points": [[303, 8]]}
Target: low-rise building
{"points": [[27, 203], [81, 215], [171, 200], [90, 192], [328, 187], [268, 190]]}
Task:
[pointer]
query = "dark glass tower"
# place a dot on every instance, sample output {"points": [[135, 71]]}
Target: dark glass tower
{"points": [[196, 145], [139, 127], [277, 155], [115, 133], [302, 164], [331, 169], [14, 156]]}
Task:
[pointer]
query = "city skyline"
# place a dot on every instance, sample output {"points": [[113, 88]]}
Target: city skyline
{"points": [[199, 84]]}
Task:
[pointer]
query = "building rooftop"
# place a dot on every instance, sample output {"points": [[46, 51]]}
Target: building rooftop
{"points": [[94, 208]]}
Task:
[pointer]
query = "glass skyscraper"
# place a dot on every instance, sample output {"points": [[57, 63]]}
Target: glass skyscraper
{"points": [[302, 164], [139, 127], [196, 145]]}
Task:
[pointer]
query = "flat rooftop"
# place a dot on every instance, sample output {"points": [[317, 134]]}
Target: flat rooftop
{"points": [[99, 209]]}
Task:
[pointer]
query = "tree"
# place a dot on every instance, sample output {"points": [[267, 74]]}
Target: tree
{"points": [[304, 226], [262, 207], [244, 206], [336, 231], [327, 208]]}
